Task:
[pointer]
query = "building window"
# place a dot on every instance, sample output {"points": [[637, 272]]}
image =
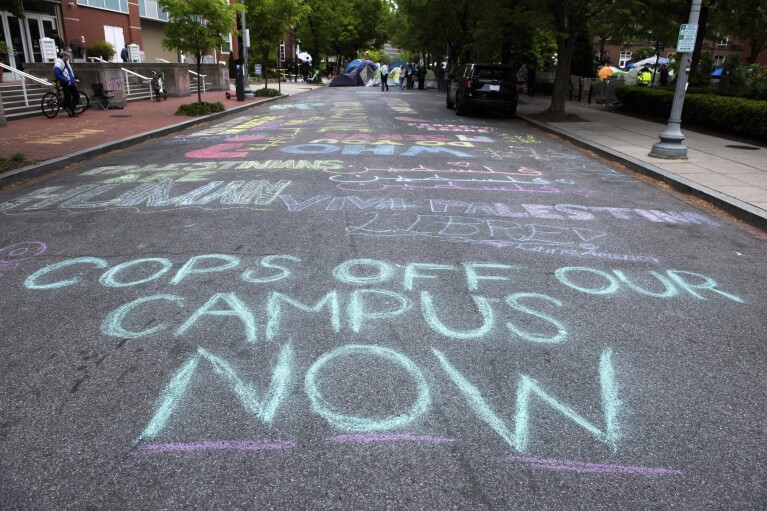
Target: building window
{"points": [[111, 5], [625, 57], [719, 60], [150, 9], [724, 41]]}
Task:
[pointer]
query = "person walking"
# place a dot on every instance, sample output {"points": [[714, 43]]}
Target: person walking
{"points": [[421, 74], [644, 77], [441, 78], [531, 80], [58, 41], [66, 77], [664, 75], [384, 78], [124, 54]]}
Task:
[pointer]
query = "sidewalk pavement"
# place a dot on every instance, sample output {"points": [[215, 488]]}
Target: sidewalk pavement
{"points": [[717, 170], [729, 174]]}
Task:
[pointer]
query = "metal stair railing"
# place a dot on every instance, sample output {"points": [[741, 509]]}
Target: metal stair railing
{"points": [[24, 78], [198, 81], [145, 79]]}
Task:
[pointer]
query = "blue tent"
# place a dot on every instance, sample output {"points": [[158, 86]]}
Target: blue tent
{"points": [[352, 65], [357, 78], [718, 72], [396, 63]]}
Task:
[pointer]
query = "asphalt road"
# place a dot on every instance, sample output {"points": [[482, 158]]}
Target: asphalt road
{"points": [[357, 300]]}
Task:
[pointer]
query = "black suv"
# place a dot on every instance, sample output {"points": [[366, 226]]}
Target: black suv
{"points": [[491, 86]]}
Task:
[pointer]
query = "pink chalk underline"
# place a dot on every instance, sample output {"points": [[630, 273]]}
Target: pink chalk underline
{"points": [[583, 467], [544, 463]]}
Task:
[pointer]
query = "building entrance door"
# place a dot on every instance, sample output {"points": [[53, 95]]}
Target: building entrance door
{"points": [[38, 26]]}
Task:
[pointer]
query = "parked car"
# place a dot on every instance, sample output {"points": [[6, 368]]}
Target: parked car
{"points": [[486, 86]]}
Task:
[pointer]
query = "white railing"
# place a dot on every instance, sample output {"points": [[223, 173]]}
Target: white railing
{"points": [[24, 77], [97, 59], [198, 81], [145, 79], [162, 60]]}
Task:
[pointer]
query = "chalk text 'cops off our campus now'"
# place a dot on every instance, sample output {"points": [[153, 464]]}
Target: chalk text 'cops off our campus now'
{"points": [[361, 306]]}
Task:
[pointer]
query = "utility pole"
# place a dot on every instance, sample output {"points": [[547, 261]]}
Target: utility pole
{"points": [[670, 145], [245, 43]]}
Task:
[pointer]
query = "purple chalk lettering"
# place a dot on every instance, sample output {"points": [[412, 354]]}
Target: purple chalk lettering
{"points": [[374, 438], [257, 445], [583, 467]]}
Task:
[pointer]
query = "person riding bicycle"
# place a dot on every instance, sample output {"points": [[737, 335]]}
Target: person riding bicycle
{"points": [[66, 77]]}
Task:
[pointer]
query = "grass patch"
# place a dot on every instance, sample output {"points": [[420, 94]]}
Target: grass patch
{"points": [[266, 93], [198, 109], [14, 162]]}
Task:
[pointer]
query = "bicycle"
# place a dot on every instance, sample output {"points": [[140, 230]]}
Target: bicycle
{"points": [[53, 101]]}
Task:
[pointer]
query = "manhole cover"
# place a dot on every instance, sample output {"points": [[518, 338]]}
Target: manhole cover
{"points": [[119, 115], [746, 147]]}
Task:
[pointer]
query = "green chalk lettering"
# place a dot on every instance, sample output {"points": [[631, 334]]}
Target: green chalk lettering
{"points": [[610, 287], [359, 313], [31, 281], [383, 271], [411, 272], [678, 276], [363, 424], [266, 262], [473, 278], [112, 324], [513, 301], [669, 291], [236, 308], [191, 266], [108, 279], [274, 311], [432, 319], [265, 409]]}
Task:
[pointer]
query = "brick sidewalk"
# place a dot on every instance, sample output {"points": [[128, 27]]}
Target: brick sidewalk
{"points": [[42, 139]]}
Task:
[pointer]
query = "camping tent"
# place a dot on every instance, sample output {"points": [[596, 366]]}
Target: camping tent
{"points": [[431, 80], [650, 61], [360, 76], [352, 65]]}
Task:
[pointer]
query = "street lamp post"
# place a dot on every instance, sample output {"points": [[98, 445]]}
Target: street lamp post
{"points": [[245, 44], [670, 145]]}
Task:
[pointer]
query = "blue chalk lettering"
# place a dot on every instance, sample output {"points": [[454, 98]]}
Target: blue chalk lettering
{"points": [[669, 291], [112, 324], [310, 149], [610, 287], [610, 405], [274, 311], [266, 262], [363, 424], [31, 281], [358, 313], [380, 150], [473, 278], [265, 409], [707, 283], [343, 272], [416, 150], [108, 279], [432, 319], [513, 301], [237, 308], [190, 267], [411, 272], [528, 387]]}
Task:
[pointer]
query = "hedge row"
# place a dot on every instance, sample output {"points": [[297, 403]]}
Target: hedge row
{"points": [[736, 116]]}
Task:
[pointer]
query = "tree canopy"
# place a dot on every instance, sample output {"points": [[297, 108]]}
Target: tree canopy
{"points": [[196, 26]]}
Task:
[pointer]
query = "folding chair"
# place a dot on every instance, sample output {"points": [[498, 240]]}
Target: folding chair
{"points": [[102, 98]]}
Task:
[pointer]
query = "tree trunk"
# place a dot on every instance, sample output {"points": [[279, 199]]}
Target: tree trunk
{"points": [[199, 70], [565, 47]]}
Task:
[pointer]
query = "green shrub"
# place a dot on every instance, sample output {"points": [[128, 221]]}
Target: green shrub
{"points": [[103, 49], [266, 93], [735, 116], [15, 161], [197, 109]]}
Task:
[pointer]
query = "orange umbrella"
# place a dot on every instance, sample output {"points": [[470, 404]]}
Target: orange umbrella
{"points": [[605, 72]]}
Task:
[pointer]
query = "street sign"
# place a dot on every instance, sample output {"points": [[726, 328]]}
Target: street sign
{"points": [[687, 35], [257, 69]]}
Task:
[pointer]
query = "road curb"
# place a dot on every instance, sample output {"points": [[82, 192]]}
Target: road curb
{"points": [[39, 169], [739, 209]]}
